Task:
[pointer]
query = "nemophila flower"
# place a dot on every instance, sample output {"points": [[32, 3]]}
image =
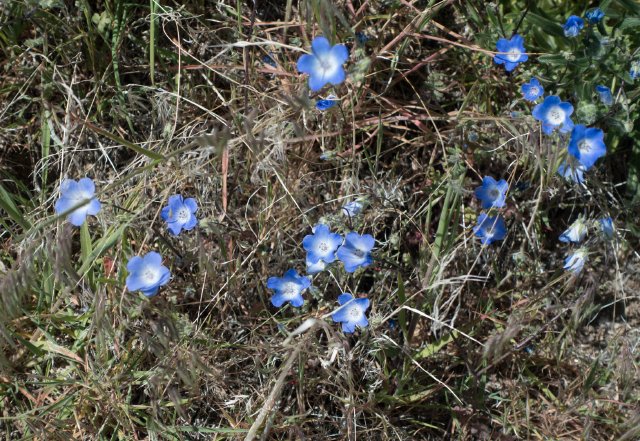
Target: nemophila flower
{"points": [[576, 232], [355, 252], [268, 59], [322, 244], [605, 95], [288, 288], [573, 26], [490, 229], [315, 268], [352, 209], [81, 195], [324, 65], [147, 274], [351, 313], [594, 16], [587, 145], [553, 114], [634, 72], [492, 193], [512, 52], [323, 105], [572, 171], [532, 90], [180, 214], [606, 226], [575, 262]]}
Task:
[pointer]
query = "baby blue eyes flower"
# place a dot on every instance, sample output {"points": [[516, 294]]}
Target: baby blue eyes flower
{"points": [[351, 313], [315, 268], [634, 72], [575, 233], [322, 244], [587, 145], [180, 214], [554, 113], [575, 262], [606, 225], [532, 90], [572, 172], [288, 288], [147, 274], [352, 209], [356, 251], [324, 65], [79, 194], [605, 95], [573, 26], [490, 229], [513, 52], [323, 105], [492, 193], [594, 16]]}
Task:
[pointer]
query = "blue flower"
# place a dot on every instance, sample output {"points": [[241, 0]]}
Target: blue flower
{"points": [[315, 268], [492, 193], [147, 274], [575, 233], [180, 214], [80, 194], [352, 209], [606, 225], [605, 94], [572, 171], [532, 90], [587, 145], [634, 72], [512, 52], [323, 105], [573, 26], [288, 288], [575, 262], [356, 251], [268, 59], [490, 229], [322, 244], [325, 64], [594, 16], [351, 313], [554, 113], [362, 38]]}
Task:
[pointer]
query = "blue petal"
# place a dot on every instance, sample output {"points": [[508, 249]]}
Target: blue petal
{"points": [[68, 186], [78, 217], [307, 64], [94, 207], [291, 274], [277, 299], [338, 77], [274, 283], [135, 264], [344, 298], [363, 322], [86, 185], [152, 258], [175, 203], [165, 275], [151, 291], [191, 204], [62, 205], [134, 282], [164, 213], [191, 223], [320, 46], [341, 315], [316, 82], [348, 327], [340, 53], [297, 301], [175, 228]]}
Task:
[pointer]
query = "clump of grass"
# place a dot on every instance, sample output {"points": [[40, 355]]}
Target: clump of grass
{"points": [[464, 341]]}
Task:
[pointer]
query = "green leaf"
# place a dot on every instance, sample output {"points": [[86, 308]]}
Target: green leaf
{"points": [[550, 27]]}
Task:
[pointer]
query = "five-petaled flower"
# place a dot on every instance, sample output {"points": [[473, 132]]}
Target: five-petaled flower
{"points": [[355, 252], [587, 145], [573, 26], [606, 225], [512, 52], [324, 65], [576, 232], [327, 103], [490, 229], [572, 171], [532, 90], [605, 95], [594, 16], [147, 274], [575, 262], [79, 195], [322, 244], [554, 113], [492, 193], [288, 288], [180, 214], [351, 313], [352, 209]]}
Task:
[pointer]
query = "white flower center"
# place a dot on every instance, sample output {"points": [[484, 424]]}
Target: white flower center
{"points": [[289, 290], [534, 90], [182, 215], [514, 55], [584, 146], [358, 252], [150, 275], [354, 313], [328, 65], [556, 116], [323, 247], [494, 193]]}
